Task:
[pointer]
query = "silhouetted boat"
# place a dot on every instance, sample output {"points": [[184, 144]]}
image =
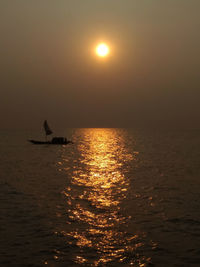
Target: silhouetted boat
{"points": [[54, 141]]}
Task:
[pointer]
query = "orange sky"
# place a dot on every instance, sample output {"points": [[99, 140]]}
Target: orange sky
{"points": [[49, 70]]}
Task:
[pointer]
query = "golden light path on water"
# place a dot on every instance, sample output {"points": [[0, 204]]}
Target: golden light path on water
{"points": [[95, 196]]}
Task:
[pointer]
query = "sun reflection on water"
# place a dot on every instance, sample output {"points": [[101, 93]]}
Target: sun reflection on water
{"points": [[94, 197]]}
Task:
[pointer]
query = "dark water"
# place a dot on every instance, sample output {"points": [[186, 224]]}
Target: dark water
{"points": [[117, 197]]}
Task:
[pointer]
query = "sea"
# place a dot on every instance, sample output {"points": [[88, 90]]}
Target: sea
{"points": [[116, 197]]}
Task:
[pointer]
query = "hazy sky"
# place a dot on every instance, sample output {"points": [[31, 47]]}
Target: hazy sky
{"points": [[49, 69]]}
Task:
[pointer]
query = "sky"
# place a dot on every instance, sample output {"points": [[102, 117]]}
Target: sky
{"points": [[49, 69]]}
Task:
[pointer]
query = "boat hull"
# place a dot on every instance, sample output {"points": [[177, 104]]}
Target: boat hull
{"points": [[49, 142]]}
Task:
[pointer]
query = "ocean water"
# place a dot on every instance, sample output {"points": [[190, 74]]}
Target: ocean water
{"points": [[116, 197]]}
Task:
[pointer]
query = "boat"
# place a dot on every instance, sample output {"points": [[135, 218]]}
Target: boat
{"points": [[54, 140]]}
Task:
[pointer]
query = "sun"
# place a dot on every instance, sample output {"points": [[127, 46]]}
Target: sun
{"points": [[102, 50]]}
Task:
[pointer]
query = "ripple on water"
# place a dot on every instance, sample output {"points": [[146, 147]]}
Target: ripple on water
{"points": [[99, 185]]}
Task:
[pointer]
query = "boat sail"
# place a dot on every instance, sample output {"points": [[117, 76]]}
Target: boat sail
{"points": [[48, 131]]}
